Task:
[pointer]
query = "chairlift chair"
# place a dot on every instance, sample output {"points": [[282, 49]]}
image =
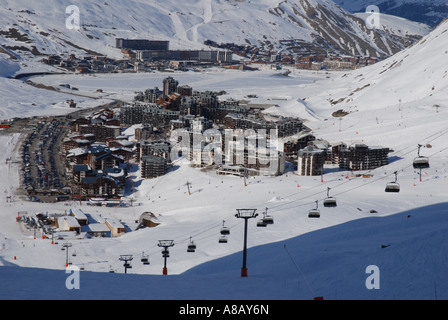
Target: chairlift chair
{"points": [[144, 259], [314, 213], [165, 253], [267, 219], [330, 201], [224, 230], [393, 186], [191, 246], [420, 162], [222, 239], [261, 223]]}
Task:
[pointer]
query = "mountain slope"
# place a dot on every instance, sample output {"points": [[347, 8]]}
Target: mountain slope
{"points": [[38, 28], [417, 75], [410, 250]]}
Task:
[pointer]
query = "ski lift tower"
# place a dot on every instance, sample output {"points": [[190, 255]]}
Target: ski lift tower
{"points": [[245, 214], [126, 258], [66, 246], [165, 244]]}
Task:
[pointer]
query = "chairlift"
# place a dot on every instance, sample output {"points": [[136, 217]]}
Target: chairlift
{"points": [[165, 253], [224, 230], [144, 259], [314, 213], [267, 219], [261, 223], [222, 239], [421, 162], [330, 202], [393, 186], [191, 246]]}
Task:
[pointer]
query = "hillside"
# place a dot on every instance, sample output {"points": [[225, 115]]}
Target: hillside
{"points": [[409, 248], [37, 29]]}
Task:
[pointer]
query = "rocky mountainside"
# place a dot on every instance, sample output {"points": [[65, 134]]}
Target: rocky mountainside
{"points": [[30, 29]]}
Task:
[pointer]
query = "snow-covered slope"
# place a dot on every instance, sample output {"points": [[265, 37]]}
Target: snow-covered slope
{"points": [[7, 67], [410, 250], [430, 12], [417, 75], [39, 28]]}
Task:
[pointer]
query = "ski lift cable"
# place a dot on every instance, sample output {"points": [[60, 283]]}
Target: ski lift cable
{"points": [[216, 225], [359, 186]]}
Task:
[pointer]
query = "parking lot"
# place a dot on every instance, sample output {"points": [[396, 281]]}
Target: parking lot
{"points": [[43, 172]]}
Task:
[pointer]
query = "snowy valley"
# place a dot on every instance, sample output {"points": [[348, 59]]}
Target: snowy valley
{"points": [[398, 103]]}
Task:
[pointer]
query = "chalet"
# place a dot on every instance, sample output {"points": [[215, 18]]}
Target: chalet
{"points": [[125, 153], [100, 185], [74, 125], [78, 155], [116, 227], [68, 223], [149, 220], [80, 216], [74, 143], [101, 132], [101, 157], [98, 230]]}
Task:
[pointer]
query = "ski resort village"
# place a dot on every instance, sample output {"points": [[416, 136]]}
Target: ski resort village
{"points": [[225, 150]]}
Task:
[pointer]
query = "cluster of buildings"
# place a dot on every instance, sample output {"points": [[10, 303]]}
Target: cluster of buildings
{"points": [[89, 63], [332, 62], [97, 156], [234, 137], [356, 157], [144, 52], [83, 223], [177, 121]]}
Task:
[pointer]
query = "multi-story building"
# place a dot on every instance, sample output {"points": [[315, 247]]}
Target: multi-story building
{"points": [[152, 167], [141, 44], [361, 157], [310, 161]]}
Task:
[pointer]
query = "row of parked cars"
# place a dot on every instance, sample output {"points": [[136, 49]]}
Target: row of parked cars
{"points": [[42, 141]]}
